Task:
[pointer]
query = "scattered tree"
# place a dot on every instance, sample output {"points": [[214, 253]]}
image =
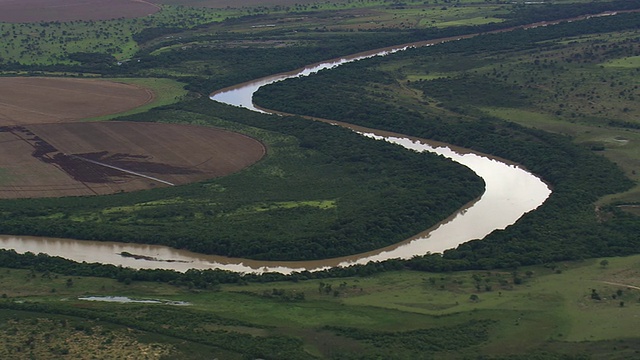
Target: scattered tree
{"points": [[604, 263]]}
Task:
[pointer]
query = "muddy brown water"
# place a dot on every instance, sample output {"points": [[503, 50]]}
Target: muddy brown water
{"points": [[510, 192]]}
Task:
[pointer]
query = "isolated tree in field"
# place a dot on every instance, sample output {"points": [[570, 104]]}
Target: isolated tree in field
{"points": [[474, 298], [604, 263]]}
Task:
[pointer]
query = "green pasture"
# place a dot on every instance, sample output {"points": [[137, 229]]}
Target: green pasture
{"points": [[421, 16], [430, 76], [157, 205], [530, 307], [447, 16], [47, 286], [555, 299], [188, 68], [631, 62], [470, 21]]}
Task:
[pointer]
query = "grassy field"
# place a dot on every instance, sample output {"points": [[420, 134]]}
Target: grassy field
{"points": [[563, 308], [631, 62]]}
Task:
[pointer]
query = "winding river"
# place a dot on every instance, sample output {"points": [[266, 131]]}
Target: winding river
{"points": [[510, 192]]}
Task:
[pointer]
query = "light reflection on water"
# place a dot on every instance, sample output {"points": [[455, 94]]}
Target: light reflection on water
{"points": [[127, 300]]}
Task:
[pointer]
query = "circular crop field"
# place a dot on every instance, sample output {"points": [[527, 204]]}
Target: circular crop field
{"points": [[65, 157], [22, 11], [32, 100]]}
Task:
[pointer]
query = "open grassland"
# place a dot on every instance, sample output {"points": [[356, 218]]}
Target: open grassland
{"points": [[587, 307], [630, 62]]}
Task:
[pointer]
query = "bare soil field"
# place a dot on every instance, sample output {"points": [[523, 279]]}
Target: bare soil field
{"points": [[31, 100], [45, 151], [96, 158], [20, 11]]}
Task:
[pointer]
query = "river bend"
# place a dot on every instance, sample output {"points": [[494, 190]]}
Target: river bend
{"points": [[510, 192]]}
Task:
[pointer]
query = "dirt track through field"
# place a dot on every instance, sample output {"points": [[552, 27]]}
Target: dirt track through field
{"points": [[123, 170]]}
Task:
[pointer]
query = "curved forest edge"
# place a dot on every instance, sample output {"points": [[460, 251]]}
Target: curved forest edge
{"points": [[320, 192], [565, 227]]}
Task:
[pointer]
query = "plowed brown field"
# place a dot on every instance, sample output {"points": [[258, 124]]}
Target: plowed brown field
{"points": [[17, 11], [30, 100], [64, 157]]}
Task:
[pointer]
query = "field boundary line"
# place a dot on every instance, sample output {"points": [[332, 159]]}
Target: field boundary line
{"points": [[123, 170]]}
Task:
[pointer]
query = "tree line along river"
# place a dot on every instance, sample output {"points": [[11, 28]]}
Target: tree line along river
{"points": [[510, 192]]}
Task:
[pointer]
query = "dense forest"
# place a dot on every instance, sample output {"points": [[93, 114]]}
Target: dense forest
{"points": [[313, 197], [564, 227]]}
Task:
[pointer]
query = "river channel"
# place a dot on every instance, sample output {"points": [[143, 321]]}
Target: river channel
{"points": [[510, 192]]}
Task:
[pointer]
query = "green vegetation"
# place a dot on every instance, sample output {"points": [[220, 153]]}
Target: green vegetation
{"points": [[556, 311], [560, 100], [54, 42], [502, 70], [315, 191], [627, 62]]}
